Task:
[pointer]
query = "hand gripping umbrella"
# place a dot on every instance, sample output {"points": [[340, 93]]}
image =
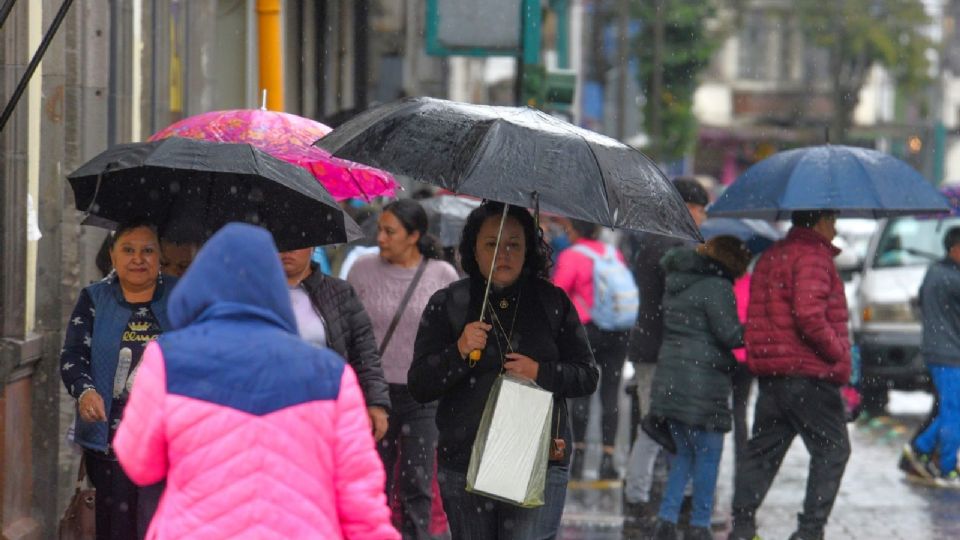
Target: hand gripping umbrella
{"points": [[856, 182], [518, 156], [200, 186]]}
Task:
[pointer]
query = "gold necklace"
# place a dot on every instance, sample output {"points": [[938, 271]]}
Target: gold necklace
{"points": [[506, 335]]}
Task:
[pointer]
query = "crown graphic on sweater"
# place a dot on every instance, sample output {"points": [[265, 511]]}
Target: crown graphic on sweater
{"points": [[139, 326]]}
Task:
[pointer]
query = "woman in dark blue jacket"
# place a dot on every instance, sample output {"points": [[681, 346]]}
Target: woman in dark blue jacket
{"points": [[108, 330]]}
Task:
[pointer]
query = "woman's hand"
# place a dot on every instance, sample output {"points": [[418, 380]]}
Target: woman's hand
{"points": [[379, 421], [473, 338], [91, 408], [521, 366]]}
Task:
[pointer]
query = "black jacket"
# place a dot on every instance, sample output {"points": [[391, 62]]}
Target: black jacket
{"points": [[349, 333], [940, 310], [644, 251], [692, 382], [547, 329]]}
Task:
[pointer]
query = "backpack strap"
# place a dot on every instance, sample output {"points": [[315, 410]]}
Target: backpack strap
{"points": [[609, 252]]}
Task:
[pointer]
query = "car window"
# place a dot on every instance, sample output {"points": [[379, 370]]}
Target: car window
{"points": [[909, 241]]}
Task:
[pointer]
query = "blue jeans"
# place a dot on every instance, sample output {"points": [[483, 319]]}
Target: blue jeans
{"points": [[697, 457], [944, 431], [475, 517]]}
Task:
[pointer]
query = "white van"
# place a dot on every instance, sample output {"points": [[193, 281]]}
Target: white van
{"points": [[887, 326]]}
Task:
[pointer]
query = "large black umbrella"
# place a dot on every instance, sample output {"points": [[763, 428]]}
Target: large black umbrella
{"points": [[519, 156], [199, 186]]}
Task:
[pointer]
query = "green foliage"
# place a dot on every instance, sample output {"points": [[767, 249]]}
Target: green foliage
{"points": [[687, 50], [858, 34]]}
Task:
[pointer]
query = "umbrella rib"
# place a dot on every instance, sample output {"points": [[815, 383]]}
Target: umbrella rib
{"points": [[873, 188], [596, 160]]}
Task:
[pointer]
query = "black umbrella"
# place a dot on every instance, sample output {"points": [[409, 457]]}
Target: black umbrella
{"points": [[447, 215], [516, 155], [191, 188]]}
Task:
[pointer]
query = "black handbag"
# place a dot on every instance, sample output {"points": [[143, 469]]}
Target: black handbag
{"points": [[659, 430], [79, 521]]}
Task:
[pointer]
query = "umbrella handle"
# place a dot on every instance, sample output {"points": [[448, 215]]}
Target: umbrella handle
{"points": [[475, 354]]}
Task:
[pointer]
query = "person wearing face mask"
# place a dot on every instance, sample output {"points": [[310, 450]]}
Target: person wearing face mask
{"points": [[394, 286], [111, 324], [531, 331]]}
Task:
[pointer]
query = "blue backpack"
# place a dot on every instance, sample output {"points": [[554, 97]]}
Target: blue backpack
{"points": [[616, 299]]}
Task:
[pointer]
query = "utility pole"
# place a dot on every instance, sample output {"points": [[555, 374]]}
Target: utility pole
{"points": [[623, 66], [656, 90]]}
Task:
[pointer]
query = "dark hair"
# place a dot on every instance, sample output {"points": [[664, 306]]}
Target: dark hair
{"points": [[729, 252], [951, 239], [536, 262], [102, 260], [413, 217], [691, 190], [808, 218], [584, 228], [129, 225]]}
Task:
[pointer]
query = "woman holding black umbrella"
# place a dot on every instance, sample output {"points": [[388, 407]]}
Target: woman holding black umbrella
{"points": [[108, 331], [531, 331]]}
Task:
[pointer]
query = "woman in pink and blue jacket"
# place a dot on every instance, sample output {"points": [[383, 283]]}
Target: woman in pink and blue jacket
{"points": [[258, 433]]}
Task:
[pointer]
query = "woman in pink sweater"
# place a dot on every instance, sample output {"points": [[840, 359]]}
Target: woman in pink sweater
{"points": [[574, 274], [258, 433]]}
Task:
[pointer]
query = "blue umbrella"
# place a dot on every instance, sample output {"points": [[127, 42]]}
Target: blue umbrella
{"points": [[758, 235], [857, 182]]}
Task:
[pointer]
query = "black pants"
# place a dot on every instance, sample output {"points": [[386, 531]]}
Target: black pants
{"points": [[742, 381], [787, 407], [116, 499], [408, 450], [610, 352]]}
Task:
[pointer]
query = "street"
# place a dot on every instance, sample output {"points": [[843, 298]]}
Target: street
{"points": [[875, 500]]}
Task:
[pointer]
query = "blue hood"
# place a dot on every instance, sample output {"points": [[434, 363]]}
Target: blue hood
{"points": [[237, 273]]}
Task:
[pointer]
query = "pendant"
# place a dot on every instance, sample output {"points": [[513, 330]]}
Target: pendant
{"points": [[504, 304]]}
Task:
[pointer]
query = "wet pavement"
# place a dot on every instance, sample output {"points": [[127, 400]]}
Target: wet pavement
{"points": [[875, 500]]}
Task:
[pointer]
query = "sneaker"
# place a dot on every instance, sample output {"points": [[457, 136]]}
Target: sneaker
{"points": [[920, 464], [607, 469], [742, 532], [665, 530], [698, 533], [803, 536], [951, 480]]}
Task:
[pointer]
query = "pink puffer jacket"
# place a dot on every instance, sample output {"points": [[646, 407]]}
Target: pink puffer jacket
{"points": [[258, 434], [231, 474], [797, 316]]}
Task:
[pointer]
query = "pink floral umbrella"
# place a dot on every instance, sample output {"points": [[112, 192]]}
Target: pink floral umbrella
{"points": [[288, 137]]}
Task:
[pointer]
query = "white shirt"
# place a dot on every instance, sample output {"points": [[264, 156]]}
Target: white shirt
{"points": [[310, 324]]}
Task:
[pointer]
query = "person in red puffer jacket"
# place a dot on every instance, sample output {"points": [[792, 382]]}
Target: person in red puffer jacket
{"points": [[798, 346]]}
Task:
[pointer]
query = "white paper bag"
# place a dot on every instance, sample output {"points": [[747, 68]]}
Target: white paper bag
{"points": [[510, 452]]}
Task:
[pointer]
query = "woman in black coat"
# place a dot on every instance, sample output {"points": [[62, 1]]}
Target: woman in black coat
{"points": [[531, 331]]}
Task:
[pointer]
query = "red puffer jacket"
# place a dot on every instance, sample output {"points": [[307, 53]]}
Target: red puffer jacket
{"points": [[797, 316]]}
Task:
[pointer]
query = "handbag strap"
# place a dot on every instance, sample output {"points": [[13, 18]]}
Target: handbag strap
{"points": [[403, 305], [82, 472]]}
